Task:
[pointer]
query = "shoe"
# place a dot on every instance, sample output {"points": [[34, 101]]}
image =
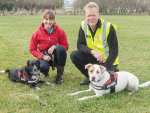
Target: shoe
{"points": [[45, 75], [85, 82]]}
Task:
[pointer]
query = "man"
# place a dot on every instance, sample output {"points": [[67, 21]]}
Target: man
{"points": [[97, 43]]}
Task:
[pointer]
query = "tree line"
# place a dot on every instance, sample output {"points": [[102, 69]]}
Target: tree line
{"points": [[117, 6], [30, 5], [105, 6]]}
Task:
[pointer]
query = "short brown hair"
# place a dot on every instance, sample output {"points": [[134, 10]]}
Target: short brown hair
{"points": [[91, 5], [50, 14]]}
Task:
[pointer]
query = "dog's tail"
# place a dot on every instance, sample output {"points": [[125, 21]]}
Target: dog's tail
{"points": [[146, 84], [5, 71]]}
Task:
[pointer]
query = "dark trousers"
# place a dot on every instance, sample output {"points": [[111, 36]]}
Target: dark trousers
{"points": [[60, 56], [80, 59]]}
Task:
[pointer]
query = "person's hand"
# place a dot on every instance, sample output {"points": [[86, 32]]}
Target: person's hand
{"points": [[98, 55], [46, 57], [51, 49]]}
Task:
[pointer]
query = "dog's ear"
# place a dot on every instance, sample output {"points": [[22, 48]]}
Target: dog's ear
{"points": [[88, 66], [103, 69], [28, 63], [38, 62]]}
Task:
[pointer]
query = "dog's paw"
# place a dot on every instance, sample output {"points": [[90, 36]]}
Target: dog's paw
{"points": [[80, 99], [48, 83], [37, 88], [70, 94]]}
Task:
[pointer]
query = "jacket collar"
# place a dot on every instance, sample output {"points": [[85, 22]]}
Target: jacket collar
{"points": [[98, 26]]}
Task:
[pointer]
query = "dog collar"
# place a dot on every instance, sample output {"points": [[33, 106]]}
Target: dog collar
{"points": [[99, 79]]}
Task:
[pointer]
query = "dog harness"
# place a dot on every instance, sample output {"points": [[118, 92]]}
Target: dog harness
{"points": [[110, 84], [24, 79]]}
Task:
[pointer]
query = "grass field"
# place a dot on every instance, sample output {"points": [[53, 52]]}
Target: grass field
{"points": [[134, 52]]}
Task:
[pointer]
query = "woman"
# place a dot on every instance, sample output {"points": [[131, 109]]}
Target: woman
{"points": [[47, 41]]}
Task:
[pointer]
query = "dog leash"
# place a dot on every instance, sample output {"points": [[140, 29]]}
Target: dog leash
{"points": [[52, 57]]}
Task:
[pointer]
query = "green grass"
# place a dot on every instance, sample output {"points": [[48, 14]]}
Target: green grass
{"points": [[134, 52]]}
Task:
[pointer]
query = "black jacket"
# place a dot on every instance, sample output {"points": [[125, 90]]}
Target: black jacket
{"points": [[111, 40]]}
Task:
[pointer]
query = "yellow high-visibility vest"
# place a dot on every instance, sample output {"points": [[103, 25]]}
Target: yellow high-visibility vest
{"points": [[99, 41]]}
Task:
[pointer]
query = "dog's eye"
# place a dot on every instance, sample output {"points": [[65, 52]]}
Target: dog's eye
{"points": [[37, 64], [97, 71], [31, 64], [91, 71]]}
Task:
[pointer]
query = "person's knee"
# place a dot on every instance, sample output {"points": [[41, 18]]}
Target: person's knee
{"points": [[44, 66], [73, 56], [61, 49]]}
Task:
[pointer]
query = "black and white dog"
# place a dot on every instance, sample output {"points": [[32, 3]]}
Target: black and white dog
{"points": [[29, 74]]}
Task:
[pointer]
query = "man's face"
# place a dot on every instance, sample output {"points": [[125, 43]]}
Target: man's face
{"points": [[92, 16]]}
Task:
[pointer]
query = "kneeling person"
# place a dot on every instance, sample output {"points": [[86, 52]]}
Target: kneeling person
{"points": [[49, 44], [97, 43]]}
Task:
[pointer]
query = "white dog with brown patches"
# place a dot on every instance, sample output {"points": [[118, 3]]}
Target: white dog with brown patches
{"points": [[102, 82]]}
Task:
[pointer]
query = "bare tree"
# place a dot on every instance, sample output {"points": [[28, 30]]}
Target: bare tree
{"points": [[56, 4], [30, 5], [44, 4], [19, 4]]}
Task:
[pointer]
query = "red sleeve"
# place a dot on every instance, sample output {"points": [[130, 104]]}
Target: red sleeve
{"points": [[63, 40], [33, 46]]}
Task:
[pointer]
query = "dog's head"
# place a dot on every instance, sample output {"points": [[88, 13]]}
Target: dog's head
{"points": [[33, 66], [95, 71]]}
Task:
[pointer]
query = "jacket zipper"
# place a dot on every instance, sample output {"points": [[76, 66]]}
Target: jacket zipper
{"points": [[50, 40]]}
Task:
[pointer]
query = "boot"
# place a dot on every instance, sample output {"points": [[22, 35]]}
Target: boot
{"points": [[59, 78]]}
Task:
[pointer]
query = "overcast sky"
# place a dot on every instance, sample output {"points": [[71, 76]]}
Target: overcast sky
{"points": [[69, 1]]}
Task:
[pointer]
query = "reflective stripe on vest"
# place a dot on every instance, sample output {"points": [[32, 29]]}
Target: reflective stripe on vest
{"points": [[104, 36], [85, 30]]}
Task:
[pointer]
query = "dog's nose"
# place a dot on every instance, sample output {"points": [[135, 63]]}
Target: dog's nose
{"points": [[35, 69], [93, 78]]}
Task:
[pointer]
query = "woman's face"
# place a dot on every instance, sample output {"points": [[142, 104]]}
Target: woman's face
{"points": [[48, 23]]}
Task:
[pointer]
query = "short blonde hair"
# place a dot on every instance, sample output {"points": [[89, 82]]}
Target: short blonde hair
{"points": [[91, 5]]}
